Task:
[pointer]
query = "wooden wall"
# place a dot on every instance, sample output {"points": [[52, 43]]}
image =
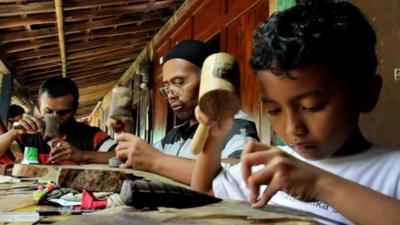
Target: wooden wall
{"points": [[232, 23], [382, 125]]}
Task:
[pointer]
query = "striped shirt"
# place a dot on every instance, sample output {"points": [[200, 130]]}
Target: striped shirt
{"points": [[177, 141]]}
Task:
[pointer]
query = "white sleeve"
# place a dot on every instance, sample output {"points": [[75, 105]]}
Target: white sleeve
{"points": [[236, 143], [229, 184], [158, 146]]}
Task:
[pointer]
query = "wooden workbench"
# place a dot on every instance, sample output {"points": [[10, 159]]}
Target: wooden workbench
{"points": [[18, 198]]}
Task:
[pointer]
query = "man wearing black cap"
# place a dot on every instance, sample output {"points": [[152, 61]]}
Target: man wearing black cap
{"points": [[172, 156]]}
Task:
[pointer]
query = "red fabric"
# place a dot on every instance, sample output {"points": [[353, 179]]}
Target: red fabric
{"points": [[99, 138], [5, 159]]}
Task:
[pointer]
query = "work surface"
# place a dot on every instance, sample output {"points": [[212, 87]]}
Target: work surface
{"points": [[18, 198]]}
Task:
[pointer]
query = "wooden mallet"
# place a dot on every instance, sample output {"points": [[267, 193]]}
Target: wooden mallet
{"points": [[217, 98]]}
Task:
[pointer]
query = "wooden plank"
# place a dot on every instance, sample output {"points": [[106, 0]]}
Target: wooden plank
{"points": [[29, 45], [133, 30], [128, 53], [21, 9], [71, 16], [28, 35], [42, 67], [32, 86], [51, 32], [123, 9], [38, 62], [48, 7], [41, 73], [97, 52], [78, 47], [49, 60], [23, 46], [85, 111], [27, 21]]}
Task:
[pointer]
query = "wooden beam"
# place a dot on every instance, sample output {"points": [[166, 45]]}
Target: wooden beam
{"points": [[52, 32], [97, 74], [32, 86], [102, 67], [93, 89], [113, 77], [3, 69], [93, 72], [71, 16], [37, 62], [23, 95], [127, 53], [44, 73], [124, 55], [60, 28], [104, 51], [48, 7], [17, 10], [121, 10], [50, 60], [5, 95], [114, 34], [28, 45], [41, 67], [27, 21]]}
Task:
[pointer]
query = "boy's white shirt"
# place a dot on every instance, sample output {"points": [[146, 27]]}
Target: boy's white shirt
{"points": [[377, 168]]}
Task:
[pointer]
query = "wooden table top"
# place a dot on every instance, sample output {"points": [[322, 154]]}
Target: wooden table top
{"points": [[18, 198]]}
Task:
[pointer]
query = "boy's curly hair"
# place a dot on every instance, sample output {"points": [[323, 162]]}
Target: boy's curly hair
{"points": [[334, 34]]}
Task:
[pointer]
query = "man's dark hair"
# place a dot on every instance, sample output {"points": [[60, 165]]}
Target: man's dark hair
{"points": [[58, 87], [15, 110], [334, 34]]}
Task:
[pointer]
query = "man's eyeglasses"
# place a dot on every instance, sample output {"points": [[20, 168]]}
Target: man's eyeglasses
{"points": [[174, 89]]}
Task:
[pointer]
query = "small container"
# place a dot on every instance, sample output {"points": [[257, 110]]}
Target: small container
{"points": [[30, 156]]}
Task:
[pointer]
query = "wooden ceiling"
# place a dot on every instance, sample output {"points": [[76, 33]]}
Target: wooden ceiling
{"points": [[93, 42]]}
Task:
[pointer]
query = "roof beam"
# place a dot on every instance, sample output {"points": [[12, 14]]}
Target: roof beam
{"points": [[50, 60], [60, 28], [71, 16], [47, 7], [3, 68], [76, 29], [19, 47]]}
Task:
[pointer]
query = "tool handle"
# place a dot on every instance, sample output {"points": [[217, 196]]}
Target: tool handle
{"points": [[199, 139]]}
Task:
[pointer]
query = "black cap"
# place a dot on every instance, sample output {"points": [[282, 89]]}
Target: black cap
{"points": [[191, 50]]}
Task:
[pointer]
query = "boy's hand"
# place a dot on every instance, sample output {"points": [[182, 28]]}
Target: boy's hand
{"points": [[137, 153], [218, 128], [281, 172]]}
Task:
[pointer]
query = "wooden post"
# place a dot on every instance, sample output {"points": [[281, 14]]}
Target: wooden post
{"points": [[60, 28], [5, 97]]}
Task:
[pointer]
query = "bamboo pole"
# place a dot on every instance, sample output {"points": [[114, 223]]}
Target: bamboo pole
{"points": [[60, 28]]}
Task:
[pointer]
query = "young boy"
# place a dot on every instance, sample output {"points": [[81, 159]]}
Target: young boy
{"points": [[315, 64]]}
